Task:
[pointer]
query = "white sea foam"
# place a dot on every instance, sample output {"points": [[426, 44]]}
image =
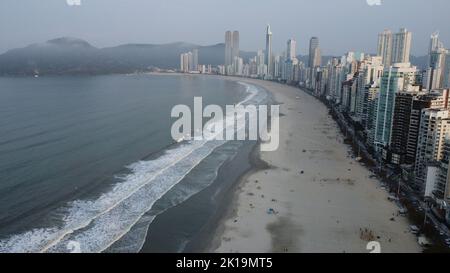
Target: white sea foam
{"points": [[97, 224]]}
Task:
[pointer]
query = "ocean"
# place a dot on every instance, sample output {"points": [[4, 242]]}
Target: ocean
{"points": [[87, 163]]}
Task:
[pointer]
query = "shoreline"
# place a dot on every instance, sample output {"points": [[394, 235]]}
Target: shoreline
{"points": [[270, 211], [205, 209], [187, 226], [230, 211]]}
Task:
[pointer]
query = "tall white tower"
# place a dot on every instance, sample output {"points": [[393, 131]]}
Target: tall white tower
{"points": [[268, 57], [228, 48], [235, 45]]}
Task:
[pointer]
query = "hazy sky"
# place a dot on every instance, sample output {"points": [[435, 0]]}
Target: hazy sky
{"points": [[341, 25]]}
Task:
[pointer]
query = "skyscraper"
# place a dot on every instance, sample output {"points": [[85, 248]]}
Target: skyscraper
{"points": [[228, 48], [435, 76], [190, 61], [447, 71], [401, 46], [397, 78], [434, 99], [291, 49], [385, 47], [400, 126], [370, 71], [235, 45], [372, 109], [433, 132], [335, 80], [260, 63], [435, 43], [441, 187], [182, 62], [186, 62], [315, 58], [238, 65], [394, 48], [231, 49], [194, 60], [268, 58]]}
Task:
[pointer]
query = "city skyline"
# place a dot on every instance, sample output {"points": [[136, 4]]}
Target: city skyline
{"points": [[335, 40]]}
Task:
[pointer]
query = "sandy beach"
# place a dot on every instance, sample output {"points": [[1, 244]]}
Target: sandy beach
{"points": [[314, 197]]}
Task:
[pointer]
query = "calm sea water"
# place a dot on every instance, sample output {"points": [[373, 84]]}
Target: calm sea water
{"points": [[84, 159]]}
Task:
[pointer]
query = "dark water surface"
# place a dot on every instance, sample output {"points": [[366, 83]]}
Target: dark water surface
{"points": [[85, 158]]}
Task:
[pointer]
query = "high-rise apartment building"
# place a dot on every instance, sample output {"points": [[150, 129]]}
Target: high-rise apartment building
{"points": [[440, 187], [186, 62], [423, 100], [369, 75], [231, 48], [433, 132], [291, 49], [189, 61], [435, 43], [394, 48], [435, 76], [401, 46], [194, 60], [372, 105], [315, 58], [400, 127], [228, 48], [235, 46], [447, 71], [385, 47], [397, 78], [438, 66], [269, 57]]}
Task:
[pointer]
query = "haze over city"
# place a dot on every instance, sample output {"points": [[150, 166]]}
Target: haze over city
{"points": [[347, 25]]}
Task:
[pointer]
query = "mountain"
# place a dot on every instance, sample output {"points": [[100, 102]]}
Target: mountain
{"points": [[75, 56], [67, 55], [58, 56]]}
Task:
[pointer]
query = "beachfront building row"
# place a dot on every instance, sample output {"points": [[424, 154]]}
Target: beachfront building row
{"points": [[189, 64], [403, 111], [189, 61], [399, 110]]}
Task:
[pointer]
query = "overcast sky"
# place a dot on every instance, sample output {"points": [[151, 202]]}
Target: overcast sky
{"points": [[341, 25]]}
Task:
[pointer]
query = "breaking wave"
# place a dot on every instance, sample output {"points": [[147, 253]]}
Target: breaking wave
{"points": [[95, 225]]}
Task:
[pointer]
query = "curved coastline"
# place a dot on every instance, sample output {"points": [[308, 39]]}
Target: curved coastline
{"points": [[309, 196]]}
